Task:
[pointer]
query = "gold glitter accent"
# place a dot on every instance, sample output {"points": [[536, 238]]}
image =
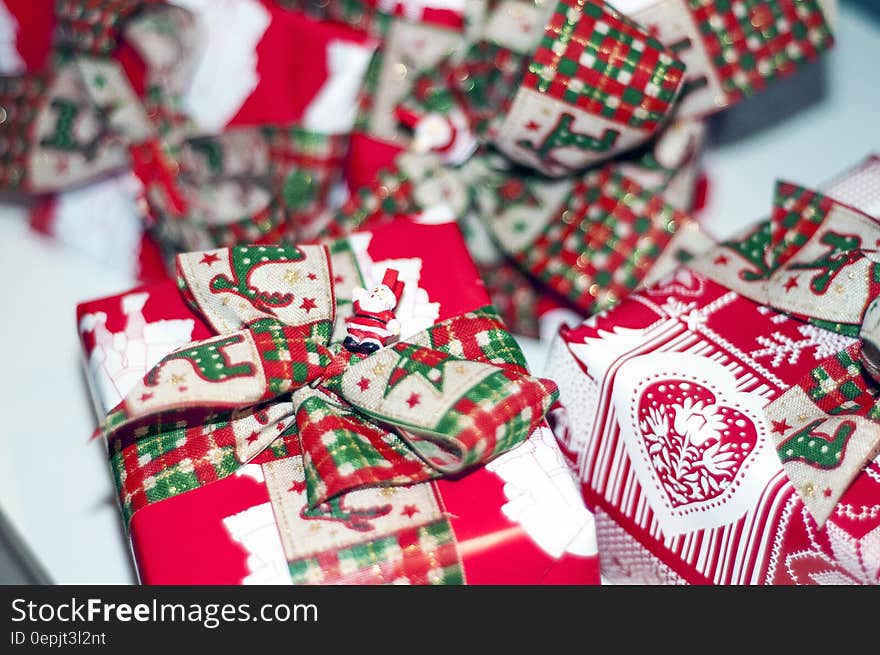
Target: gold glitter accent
{"points": [[761, 17], [388, 491], [808, 490], [291, 276], [400, 70], [177, 379], [379, 369]]}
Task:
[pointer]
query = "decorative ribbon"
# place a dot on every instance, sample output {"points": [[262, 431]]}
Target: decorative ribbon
{"points": [[276, 380], [818, 261], [561, 86], [591, 238], [84, 119]]}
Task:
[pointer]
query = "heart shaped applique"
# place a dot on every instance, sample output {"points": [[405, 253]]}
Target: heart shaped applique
{"points": [[699, 446]]}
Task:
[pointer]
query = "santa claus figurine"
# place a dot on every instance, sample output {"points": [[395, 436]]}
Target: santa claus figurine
{"points": [[373, 324]]}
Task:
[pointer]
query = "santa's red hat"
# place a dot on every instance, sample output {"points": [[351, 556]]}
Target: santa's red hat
{"points": [[390, 281]]}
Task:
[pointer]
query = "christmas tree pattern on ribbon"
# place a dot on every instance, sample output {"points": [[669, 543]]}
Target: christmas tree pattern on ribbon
{"points": [[817, 448], [415, 360], [209, 360], [562, 136], [753, 248], [244, 260]]}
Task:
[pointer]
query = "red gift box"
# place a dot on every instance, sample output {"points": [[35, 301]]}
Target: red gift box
{"points": [[723, 429], [519, 519]]}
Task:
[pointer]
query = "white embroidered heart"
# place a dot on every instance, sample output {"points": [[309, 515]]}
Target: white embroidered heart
{"points": [[700, 447]]}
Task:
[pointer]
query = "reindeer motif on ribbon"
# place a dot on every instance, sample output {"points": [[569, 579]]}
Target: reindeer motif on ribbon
{"points": [[274, 379]]}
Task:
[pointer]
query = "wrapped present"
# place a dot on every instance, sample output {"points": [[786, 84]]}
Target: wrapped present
{"points": [[588, 239], [252, 442], [561, 86], [224, 148], [734, 49], [724, 421], [511, 96]]}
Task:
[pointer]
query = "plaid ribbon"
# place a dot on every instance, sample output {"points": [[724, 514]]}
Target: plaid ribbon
{"points": [[598, 83], [816, 260], [84, 120], [273, 379], [93, 26], [590, 240]]}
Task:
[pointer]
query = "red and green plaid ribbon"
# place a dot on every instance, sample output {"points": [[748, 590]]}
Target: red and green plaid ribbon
{"points": [[816, 260], [83, 120], [441, 402], [593, 58], [93, 26], [753, 42]]}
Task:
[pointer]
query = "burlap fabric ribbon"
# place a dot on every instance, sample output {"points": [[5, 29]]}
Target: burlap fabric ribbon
{"points": [[82, 119], [276, 380], [816, 260]]}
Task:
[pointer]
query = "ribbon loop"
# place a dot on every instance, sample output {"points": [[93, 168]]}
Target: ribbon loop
{"points": [[817, 260], [236, 287], [447, 399]]}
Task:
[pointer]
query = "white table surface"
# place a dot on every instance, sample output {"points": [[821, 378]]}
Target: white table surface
{"points": [[55, 484]]}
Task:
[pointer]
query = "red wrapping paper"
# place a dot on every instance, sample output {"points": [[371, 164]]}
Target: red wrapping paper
{"points": [[506, 517], [691, 349]]}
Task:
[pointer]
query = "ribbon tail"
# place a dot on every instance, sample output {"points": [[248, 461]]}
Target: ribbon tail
{"points": [[344, 450], [415, 414], [826, 430]]}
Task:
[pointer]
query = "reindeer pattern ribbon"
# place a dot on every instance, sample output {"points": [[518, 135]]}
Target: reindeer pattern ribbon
{"points": [[817, 260], [83, 119], [275, 379]]}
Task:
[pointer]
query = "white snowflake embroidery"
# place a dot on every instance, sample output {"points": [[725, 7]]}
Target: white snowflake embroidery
{"points": [[853, 561], [779, 347], [695, 319], [675, 308], [776, 317]]}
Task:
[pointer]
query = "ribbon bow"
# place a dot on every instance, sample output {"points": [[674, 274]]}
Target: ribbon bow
{"points": [[84, 119], [818, 261], [275, 380], [560, 86]]}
